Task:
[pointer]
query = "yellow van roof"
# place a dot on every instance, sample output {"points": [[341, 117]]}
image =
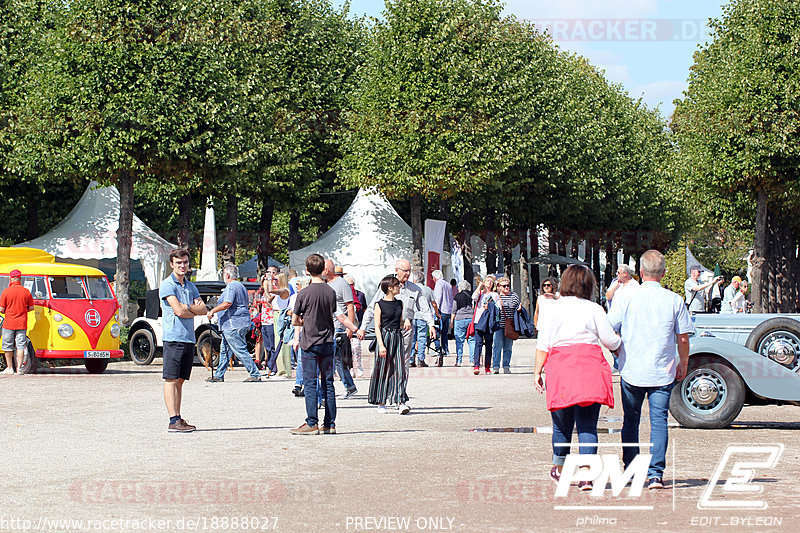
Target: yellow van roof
{"points": [[31, 261], [11, 254]]}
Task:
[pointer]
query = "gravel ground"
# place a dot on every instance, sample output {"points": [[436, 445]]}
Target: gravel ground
{"points": [[92, 453]]}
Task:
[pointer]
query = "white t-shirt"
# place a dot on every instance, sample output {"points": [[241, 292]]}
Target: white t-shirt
{"points": [[632, 285], [573, 320], [484, 302]]}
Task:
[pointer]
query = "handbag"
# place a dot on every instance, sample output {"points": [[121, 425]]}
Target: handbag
{"points": [[508, 327], [471, 326]]}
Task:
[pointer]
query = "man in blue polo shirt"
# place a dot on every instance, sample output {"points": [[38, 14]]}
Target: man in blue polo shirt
{"points": [[234, 322], [180, 303]]}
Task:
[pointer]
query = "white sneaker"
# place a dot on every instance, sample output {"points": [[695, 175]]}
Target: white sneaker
{"points": [[381, 409], [8, 371], [403, 408]]}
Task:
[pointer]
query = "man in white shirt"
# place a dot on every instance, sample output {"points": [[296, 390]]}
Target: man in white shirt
{"points": [[652, 321], [622, 284], [729, 294], [695, 291]]}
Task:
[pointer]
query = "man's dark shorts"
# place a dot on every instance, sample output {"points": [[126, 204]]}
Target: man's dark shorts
{"points": [[178, 360]]}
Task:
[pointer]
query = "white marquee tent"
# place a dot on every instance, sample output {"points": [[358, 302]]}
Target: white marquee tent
{"points": [[366, 242], [88, 234]]}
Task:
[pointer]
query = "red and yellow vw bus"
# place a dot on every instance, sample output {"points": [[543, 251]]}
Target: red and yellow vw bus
{"points": [[75, 312]]}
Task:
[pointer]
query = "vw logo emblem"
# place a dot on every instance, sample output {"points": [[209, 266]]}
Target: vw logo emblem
{"points": [[92, 318]]}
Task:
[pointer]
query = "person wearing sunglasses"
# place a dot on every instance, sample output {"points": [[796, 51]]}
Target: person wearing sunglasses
{"points": [[509, 304], [481, 298], [547, 295]]}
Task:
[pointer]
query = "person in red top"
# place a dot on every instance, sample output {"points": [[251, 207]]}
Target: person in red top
{"points": [[16, 301]]}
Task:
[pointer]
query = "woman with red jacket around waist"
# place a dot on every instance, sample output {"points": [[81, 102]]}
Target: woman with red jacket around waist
{"points": [[571, 332]]}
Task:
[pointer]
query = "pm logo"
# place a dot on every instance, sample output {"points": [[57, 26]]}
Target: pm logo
{"points": [[92, 318], [603, 470], [746, 460]]}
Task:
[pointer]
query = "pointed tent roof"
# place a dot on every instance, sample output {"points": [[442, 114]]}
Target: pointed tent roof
{"points": [[366, 241], [89, 231], [691, 261]]}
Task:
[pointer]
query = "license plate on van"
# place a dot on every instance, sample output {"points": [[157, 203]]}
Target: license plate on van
{"points": [[97, 354]]}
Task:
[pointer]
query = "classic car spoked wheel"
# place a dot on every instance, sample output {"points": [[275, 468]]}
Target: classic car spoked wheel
{"points": [[782, 347], [710, 396], [777, 339], [142, 347]]}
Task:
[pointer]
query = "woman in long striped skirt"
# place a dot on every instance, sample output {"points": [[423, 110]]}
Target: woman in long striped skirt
{"points": [[387, 384]]}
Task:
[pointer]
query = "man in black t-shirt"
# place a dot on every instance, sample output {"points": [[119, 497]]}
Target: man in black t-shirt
{"points": [[314, 310]]}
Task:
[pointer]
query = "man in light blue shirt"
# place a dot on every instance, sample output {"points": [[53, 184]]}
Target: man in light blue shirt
{"points": [[234, 323], [180, 303], [652, 321]]}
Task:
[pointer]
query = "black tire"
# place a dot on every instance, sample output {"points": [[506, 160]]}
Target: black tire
{"points": [[777, 339], [142, 347], [95, 366], [31, 362], [711, 395], [211, 339]]}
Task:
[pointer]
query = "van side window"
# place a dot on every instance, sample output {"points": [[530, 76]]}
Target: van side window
{"points": [[67, 287], [36, 285]]}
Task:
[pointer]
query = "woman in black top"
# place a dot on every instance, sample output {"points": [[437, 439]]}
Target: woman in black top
{"points": [[388, 382]]}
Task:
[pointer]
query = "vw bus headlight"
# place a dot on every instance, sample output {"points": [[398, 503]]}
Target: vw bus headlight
{"points": [[58, 317], [65, 330], [115, 330]]}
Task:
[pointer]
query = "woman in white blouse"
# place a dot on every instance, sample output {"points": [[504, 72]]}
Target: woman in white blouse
{"points": [[483, 339], [571, 332]]}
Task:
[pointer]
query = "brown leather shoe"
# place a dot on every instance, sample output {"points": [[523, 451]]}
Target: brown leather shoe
{"points": [[328, 431], [305, 429], [181, 426]]}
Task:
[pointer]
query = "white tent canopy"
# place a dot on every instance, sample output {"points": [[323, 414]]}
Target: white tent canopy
{"points": [[366, 242], [89, 232]]}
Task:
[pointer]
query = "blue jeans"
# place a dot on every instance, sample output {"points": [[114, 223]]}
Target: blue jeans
{"points": [[482, 339], [658, 400], [441, 334], [318, 361], [574, 416], [234, 341], [298, 380], [268, 344], [420, 338], [347, 377], [460, 334], [501, 344]]}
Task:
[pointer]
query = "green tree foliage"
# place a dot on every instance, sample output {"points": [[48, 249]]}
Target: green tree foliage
{"points": [[739, 133]]}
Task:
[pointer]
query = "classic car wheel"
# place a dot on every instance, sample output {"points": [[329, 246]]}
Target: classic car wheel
{"points": [[95, 366], [208, 340], [142, 347], [31, 362], [777, 339], [710, 396]]}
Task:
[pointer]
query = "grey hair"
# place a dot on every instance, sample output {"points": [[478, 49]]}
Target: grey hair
{"points": [[625, 268], [419, 277], [232, 271], [464, 285], [437, 274], [652, 264]]}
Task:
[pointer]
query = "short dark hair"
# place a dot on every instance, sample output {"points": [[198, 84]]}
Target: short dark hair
{"points": [[388, 282], [178, 252], [315, 264], [578, 281]]}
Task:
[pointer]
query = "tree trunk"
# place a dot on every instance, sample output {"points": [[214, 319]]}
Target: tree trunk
{"points": [[32, 213], [264, 248], [466, 253], [760, 266], [491, 253], [596, 268], [232, 225], [534, 273], [417, 263], [294, 229], [124, 243], [508, 255], [184, 221], [609, 272]]}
